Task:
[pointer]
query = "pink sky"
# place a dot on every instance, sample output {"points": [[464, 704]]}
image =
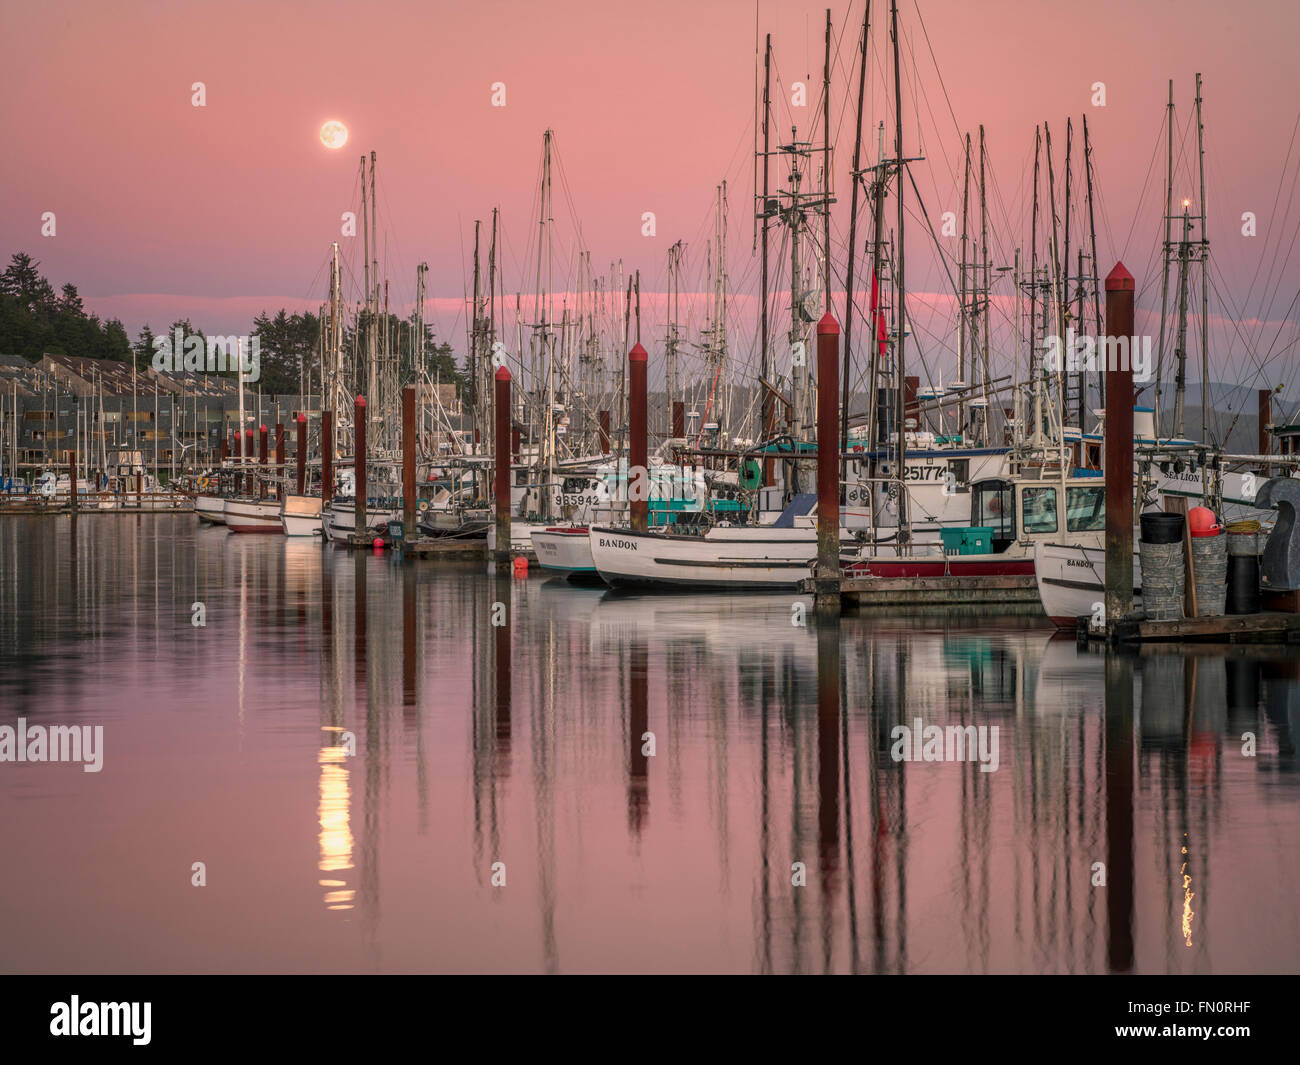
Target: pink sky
{"points": [[164, 209]]}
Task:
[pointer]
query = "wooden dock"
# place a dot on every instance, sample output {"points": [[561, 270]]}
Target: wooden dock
{"points": [[1003, 595], [1270, 626]]}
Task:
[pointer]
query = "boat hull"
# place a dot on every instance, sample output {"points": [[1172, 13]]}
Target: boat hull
{"points": [[756, 559], [300, 515], [1072, 580], [565, 550], [211, 509], [253, 516]]}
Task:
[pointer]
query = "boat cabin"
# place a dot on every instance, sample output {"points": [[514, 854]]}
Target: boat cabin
{"points": [[1020, 511]]}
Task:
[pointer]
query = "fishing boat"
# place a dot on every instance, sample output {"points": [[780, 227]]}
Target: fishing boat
{"points": [[300, 515], [1008, 519], [721, 557], [253, 515], [210, 509], [565, 549]]}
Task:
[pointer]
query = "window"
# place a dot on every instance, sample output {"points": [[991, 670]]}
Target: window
{"points": [[1039, 509], [993, 506], [1085, 509], [960, 474]]}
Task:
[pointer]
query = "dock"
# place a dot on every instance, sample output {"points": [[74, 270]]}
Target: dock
{"points": [[1269, 626], [1003, 595]]}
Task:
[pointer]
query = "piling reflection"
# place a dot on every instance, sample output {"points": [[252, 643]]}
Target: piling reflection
{"points": [[652, 772]]}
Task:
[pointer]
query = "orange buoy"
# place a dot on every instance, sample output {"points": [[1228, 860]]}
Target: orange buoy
{"points": [[1202, 522], [521, 565]]}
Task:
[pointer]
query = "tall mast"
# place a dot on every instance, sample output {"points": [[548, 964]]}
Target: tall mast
{"points": [[1065, 270], [901, 312], [1055, 265], [769, 426], [1164, 283], [855, 177], [1092, 235], [961, 299], [1035, 374], [474, 331], [984, 306], [826, 165], [1205, 304], [1180, 346]]}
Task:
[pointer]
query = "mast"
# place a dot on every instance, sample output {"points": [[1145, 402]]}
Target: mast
{"points": [[855, 177], [984, 306], [1065, 278], [1055, 281], [1092, 234], [826, 165], [764, 356], [1180, 347], [1205, 304], [1164, 283], [900, 364], [961, 299], [1035, 374]]}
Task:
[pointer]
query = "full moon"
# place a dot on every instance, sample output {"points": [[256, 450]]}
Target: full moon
{"points": [[334, 134]]}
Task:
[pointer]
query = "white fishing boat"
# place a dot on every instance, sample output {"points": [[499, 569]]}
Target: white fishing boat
{"points": [[300, 515], [565, 549], [339, 518], [1072, 578], [723, 557], [253, 515], [211, 509]]}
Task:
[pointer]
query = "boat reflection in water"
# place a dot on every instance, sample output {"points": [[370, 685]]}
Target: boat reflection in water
{"points": [[413, 767]]}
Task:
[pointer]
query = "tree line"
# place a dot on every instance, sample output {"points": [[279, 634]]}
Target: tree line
{"points": [[35, 321]]}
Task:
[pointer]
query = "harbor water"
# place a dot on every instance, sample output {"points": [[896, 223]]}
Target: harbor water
{"points": [[321, 761]]}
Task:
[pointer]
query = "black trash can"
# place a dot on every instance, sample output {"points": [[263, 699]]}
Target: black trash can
{"points": [[1159, 527]]}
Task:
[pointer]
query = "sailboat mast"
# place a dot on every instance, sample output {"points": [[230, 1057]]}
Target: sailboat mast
{"points": [[1205, 304], [1164, 283], [854, 177], [900, 363]]}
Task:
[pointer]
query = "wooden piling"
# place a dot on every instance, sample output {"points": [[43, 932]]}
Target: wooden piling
{"points": [[301, 455], [828, 447], [261, 458], [501, 480], [359, 468], [279, 459], [326, 456], [1119, 449], [604, 432], [638, 471], [408, 462]]}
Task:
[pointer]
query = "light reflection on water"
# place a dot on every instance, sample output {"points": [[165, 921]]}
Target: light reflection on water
{"points": [[528, 744]]}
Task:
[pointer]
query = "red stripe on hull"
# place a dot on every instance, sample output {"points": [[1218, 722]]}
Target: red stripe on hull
{"points": [[936, 568], [255, 528]]}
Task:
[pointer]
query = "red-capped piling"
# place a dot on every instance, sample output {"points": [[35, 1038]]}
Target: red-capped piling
{"points": [[1119, 447], [359, 460], [248, 456], [301, 451], [261, 458], [828, 448], [408, 462], [638, 448], [279, 459], [501, 480], [326, 456]]}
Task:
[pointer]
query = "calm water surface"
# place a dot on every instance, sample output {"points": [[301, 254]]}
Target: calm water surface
{"points": [[231, 744]]}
